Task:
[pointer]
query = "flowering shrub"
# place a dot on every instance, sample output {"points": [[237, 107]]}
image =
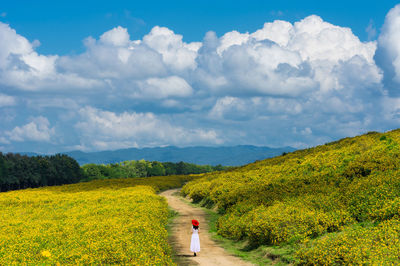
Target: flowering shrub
{"points": [[356, 245], [313, 195]]}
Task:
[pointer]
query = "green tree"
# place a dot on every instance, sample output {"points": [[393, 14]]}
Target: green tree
{"points": [[155, 169]]}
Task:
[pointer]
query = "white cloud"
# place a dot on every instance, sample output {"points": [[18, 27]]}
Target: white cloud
{"points": [[286, 60], [235, 108], [232, 108], [12, 43], [23, 68], [391, 109], [231, 38], [176, 54], [108, 130], [159, 88], [121, 63], [6, 100], [252, 86], [389, 42], [281, 59], [37, 130], [116, 61], [316, 39], [116, 37], [278, 31]]}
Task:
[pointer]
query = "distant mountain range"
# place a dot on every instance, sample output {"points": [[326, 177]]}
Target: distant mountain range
{"points": [[229, 156]]}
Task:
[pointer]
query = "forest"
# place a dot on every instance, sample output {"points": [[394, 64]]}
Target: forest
{"points": [[21, 171]]}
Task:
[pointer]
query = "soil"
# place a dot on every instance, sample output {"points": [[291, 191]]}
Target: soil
{"points": [[211, 253]]}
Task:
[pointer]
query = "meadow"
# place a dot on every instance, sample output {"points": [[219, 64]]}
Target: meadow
{"points": [[113, 221], [337, 203]]}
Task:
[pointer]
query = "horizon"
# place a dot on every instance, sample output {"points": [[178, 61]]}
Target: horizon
{"points": [[146, 75], [159, 147]]}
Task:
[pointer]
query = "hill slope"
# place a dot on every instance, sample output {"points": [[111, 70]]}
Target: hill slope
{"points": [[335, 203], [229, 156]]}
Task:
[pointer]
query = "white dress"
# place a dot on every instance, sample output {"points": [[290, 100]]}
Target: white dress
{"points": [[195, 243]]}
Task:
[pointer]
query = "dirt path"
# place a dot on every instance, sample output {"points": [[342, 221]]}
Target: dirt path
{"points": [[211, 253]]}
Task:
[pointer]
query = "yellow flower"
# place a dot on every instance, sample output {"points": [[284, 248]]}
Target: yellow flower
{"points": [[46, 253]]}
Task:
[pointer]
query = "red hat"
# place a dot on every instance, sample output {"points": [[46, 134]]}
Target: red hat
{"points": [[195, 222]]}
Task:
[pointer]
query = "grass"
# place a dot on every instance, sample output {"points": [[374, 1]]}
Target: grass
{"points": [[263, 255]]}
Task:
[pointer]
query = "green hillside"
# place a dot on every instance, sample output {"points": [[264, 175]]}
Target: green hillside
{"points": [[337, 203]]}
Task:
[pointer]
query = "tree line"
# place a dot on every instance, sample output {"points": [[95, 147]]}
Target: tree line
{"points": [[142, 168], [22, 171]]}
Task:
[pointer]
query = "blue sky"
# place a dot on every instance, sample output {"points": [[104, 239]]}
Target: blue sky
{"points": [[98, 75], [45, 20]]}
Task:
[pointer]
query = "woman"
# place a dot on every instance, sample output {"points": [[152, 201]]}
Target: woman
{"points": [[195, 243]]}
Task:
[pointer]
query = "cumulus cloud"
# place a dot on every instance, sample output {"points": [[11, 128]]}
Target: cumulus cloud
{"points": [[23, 68], [281, 59], [176, 54], [130, 129], [116, 37], [37, 130], [114, 55], [284, 59], [231, 38], [306, 83], [293, 71], [389, 40]]}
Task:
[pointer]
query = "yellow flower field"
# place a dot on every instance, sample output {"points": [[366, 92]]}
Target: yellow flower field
{"points": [[337, 203], [118, 221]]}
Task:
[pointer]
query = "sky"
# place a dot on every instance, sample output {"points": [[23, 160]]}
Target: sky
{"points": [[104, 75]]}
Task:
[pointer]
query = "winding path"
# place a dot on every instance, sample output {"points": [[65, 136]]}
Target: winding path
{"points": [[211, 253]]}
